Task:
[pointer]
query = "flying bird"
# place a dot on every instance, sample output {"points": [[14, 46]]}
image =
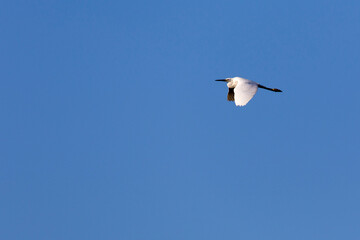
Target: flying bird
{"points": [[242, 90]]}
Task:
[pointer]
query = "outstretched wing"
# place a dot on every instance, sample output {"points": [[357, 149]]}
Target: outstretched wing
{"points": [[244, 91], [230, 96]]}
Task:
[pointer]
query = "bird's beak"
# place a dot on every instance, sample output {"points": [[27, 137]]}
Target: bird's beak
{"points": [[221, 80]]}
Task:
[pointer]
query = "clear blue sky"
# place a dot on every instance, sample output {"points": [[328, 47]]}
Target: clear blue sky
{"points": [[112, 126]]}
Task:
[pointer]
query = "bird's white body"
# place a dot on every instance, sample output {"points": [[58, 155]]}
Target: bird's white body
{"points": [[244, 90]]}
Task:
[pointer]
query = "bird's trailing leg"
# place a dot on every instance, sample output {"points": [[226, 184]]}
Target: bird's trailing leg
{"points": [[270, 89]]}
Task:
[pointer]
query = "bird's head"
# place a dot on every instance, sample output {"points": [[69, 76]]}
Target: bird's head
{"points": [[224, 80], [231, 82]]}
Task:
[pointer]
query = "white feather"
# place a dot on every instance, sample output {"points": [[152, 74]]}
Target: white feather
{"points": [[244, 91]]}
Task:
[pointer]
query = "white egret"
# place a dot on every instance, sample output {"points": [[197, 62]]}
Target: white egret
{"points": [[242, 90]]}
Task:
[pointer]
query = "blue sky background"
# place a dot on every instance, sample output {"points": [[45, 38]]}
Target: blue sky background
{"points": [[112, 126]]}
